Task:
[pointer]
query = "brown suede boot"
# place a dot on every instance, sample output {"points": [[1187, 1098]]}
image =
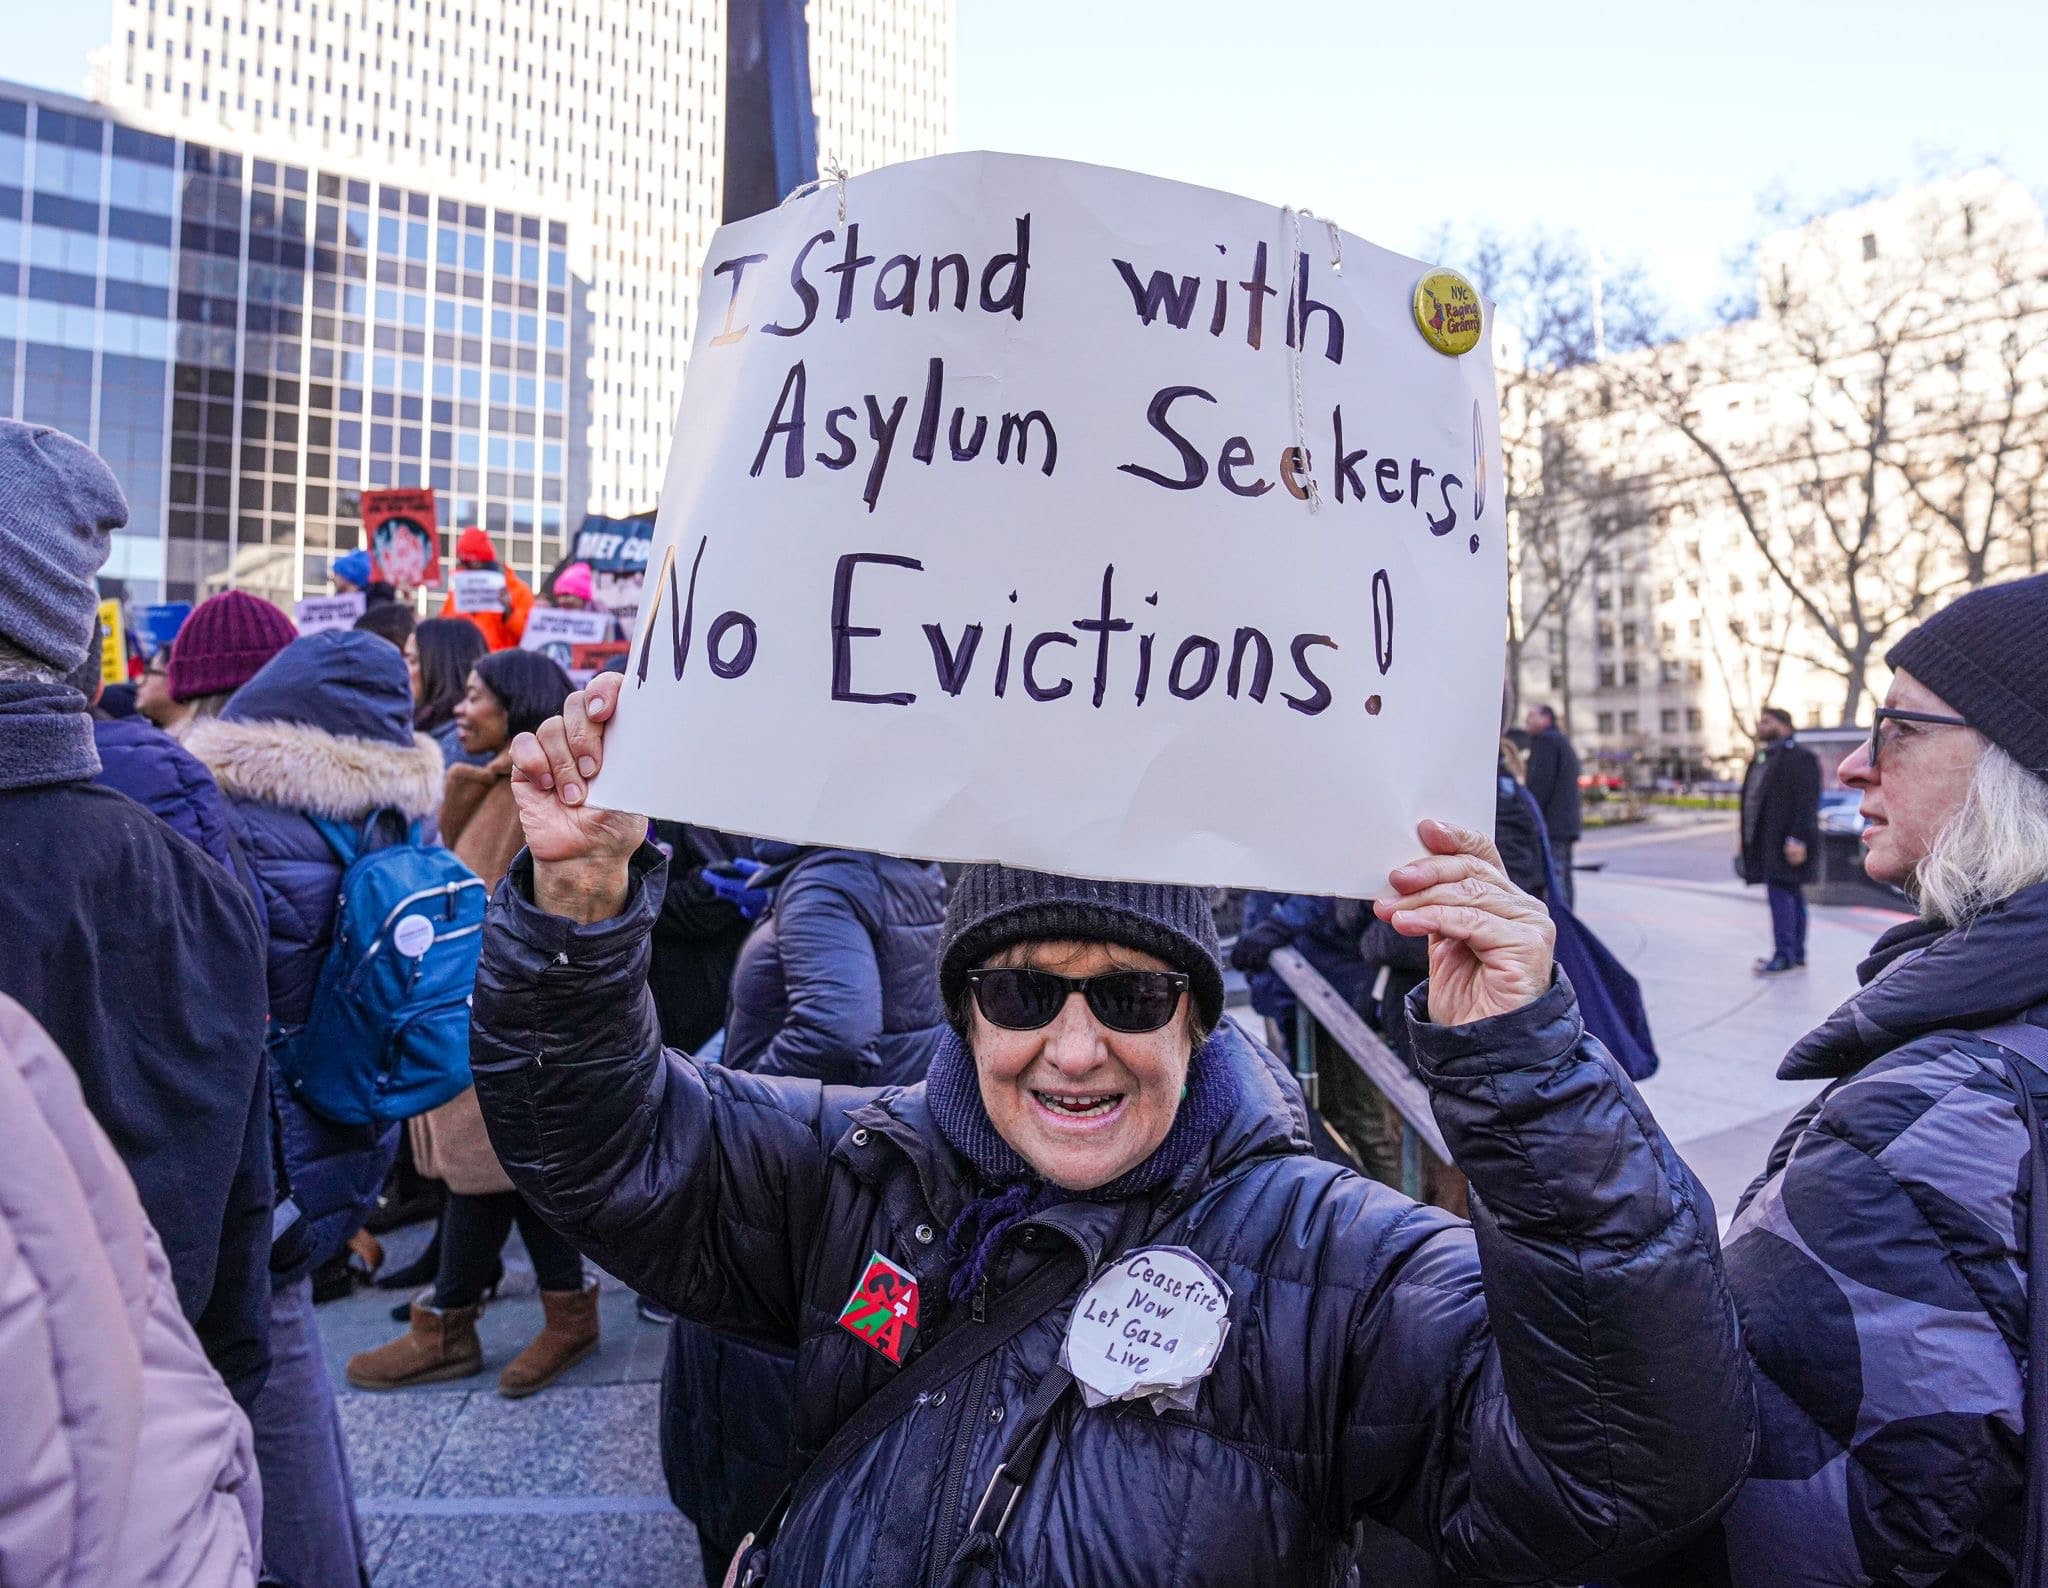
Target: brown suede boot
{"points": [[440, 1345], [567, 1337]]}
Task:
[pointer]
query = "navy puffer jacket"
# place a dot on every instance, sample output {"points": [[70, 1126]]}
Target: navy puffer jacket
{"points": [[837, 982], [325, 729], [1599, 1415], [140, 760], [1880, 1266]]}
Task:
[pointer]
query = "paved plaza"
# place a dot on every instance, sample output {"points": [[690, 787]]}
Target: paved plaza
{"points": [[462, 1489]]}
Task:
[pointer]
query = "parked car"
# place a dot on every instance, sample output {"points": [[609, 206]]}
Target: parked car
{"points": [[1842, 879]]}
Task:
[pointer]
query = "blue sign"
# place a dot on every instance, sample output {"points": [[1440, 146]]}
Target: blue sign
{"points": [[156, 626]]}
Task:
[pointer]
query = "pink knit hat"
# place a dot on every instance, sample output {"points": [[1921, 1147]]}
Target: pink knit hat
{"points": [[225, 643], [574, 580]]}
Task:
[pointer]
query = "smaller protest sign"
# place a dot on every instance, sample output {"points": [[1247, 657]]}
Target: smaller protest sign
{"points": [[160, 622], [113, 645], [478, 589], [614, 545], [330, 612], [405, 550], [587, 661], [559, 634], [1149, 1328]]}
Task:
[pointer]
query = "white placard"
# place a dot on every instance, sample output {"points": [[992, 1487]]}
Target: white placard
{"points": [[478, 589], [315, 613], [1149, 1327], [986, 500], [556, 633], [549, 627]]}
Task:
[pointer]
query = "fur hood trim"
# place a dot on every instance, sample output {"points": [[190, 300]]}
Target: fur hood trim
{"points": [[323, 774]]}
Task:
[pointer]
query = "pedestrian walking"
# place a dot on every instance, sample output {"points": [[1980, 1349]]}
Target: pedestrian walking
{"points": [[1882, 1261], [1553, 777], [502, 629], [1781, 834], [510, 692], [123, 1459], [439, 655], [138, 953], [835, 984], [223, 645], [923, 1249], [322, 734]]}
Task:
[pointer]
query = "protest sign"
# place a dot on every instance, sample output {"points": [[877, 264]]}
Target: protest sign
{"points": [[330, 612], [160, 622], [615, 550], [587, 661], [113, 645], [558, 634], [1056, 515], [405, 551], [478, 589]]}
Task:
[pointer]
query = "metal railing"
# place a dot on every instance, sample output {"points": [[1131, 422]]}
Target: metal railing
{"points": [[1416, 1125]]}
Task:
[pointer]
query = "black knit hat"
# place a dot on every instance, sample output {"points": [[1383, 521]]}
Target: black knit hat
{"points": [[1986, 654], [991, 907]]}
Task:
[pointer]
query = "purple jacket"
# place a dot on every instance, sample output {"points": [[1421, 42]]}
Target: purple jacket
{"points": [[123, 1459]]}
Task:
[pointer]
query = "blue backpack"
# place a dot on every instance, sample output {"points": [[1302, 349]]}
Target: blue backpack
{"points": [[388, 1036]]}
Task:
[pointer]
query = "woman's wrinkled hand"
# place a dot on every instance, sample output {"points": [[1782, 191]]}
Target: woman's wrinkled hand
{"points": [[1491, 946], [580, 853]]}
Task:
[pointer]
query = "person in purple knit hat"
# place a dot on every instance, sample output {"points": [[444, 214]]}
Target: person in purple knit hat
{"points": [[223, 645]]}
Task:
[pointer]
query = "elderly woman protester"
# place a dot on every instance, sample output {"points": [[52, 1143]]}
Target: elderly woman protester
{"points": [[1881, 1261], [1554, 1392]]}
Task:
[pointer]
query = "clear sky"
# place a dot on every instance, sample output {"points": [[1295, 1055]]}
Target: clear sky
{"points": [[1650, 130]]}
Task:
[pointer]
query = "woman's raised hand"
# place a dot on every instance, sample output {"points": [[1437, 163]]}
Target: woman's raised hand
{"points": [[1491, 945], [579, 853]]}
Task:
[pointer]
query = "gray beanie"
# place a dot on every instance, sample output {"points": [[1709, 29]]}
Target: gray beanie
{"points": [[58, 505], [991, 907]]}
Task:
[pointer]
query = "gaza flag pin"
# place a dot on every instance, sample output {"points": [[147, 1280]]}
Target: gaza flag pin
{"points": [[882, 1311], [1149, 1328]]}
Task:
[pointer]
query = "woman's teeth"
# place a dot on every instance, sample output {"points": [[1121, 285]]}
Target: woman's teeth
{"points": [[1080, 1107]]}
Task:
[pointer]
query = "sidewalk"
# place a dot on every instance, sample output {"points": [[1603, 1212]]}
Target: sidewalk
{"points": [[460, 1488], [1720, 1030]]}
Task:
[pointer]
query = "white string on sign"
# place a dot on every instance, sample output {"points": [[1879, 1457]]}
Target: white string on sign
{"points": [[834, 173], [1297, 328]]}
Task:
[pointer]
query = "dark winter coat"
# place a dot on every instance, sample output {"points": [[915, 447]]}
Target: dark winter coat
{"points": [[1554, 780], [143, 959], [1880, 1266], [697, 939], [1361, 1383], [315, 734], [139, 759], [837, 983], [1781, 800], [1324, 931]]}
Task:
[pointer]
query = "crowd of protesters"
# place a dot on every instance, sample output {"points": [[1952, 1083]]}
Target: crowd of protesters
{"points": [[739, 1075]]}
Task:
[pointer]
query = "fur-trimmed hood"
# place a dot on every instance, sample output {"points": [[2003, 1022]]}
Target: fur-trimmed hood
{"points": [[303, 768]]}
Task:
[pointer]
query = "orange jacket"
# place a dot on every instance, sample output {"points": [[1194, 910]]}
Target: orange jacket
{"points": [[501, 631]]}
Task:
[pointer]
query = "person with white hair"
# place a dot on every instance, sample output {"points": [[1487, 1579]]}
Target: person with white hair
{"points": [[1881, 1261]]}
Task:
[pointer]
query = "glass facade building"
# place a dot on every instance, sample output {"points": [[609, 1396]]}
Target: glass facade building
{"points": [[251, 342]]}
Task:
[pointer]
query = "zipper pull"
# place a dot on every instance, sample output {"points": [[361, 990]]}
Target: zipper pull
{"points": [[981, 1300]]}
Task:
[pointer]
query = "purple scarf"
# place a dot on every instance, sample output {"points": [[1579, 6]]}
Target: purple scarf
{"points": [[1015, 1191]]}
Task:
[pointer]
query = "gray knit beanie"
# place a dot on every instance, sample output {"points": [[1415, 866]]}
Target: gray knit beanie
{"points": [[1984, 654], [991, 907], [58, 505]]}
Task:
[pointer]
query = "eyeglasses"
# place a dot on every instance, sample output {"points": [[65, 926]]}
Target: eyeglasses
{"points": [[1132, 1001], [1884, 714]]}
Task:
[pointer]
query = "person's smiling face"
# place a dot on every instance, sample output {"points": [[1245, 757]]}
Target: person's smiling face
{"points": [[1079, 1102], [480, 718]]}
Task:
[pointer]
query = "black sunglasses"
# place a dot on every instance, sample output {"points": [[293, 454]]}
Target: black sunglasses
{"points": [[1020, 999], [1886, 714]]}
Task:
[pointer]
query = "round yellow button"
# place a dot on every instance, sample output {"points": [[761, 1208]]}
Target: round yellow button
{"points": [[1448, 312]]}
